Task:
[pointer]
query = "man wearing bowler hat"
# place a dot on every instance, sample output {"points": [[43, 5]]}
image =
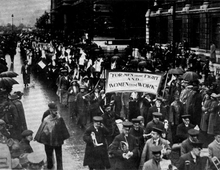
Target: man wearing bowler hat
{"points": [[155, 140], [125, 149], [187, 144], [192, 159], [96, 153], [154, 163], [52, 133], [182, 128]]}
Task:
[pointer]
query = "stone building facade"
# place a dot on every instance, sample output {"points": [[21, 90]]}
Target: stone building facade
{"points": [[198, 22]]}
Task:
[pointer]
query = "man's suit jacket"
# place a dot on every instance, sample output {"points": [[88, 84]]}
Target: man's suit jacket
{"points": [[182, 131], [186, 146], [147, 154], [116, 150]]}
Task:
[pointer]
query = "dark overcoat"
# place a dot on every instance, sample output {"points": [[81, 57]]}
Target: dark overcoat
{"points": [[182, 131], [16, 118], [194, 107], [200, 163], [96, 156], [25, 146], [52, 131], [116, 150]]}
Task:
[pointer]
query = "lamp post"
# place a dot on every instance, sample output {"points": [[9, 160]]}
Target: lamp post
{"points": [[12, 16]]}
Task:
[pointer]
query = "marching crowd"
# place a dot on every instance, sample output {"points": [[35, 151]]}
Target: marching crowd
{"points": [[131, 130]]}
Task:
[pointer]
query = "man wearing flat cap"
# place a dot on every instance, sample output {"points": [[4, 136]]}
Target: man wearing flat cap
{"points": [[192, 159], [24, 144], [187, 144], [154, 123], [158, 107], [52, 133], [138, 132], [109, 118], [96, 153], [182, 128], [154, 163], [124, 148], [155, 140]]}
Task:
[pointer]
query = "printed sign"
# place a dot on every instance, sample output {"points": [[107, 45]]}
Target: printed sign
{"points": [[132, 81]]}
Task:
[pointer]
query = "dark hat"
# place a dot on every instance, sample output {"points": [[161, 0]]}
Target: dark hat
{"points": [[185, 116], [52, 106], [156, 149], [157, 114], [197, 144], [136, 120], [193, 132], [158, 130], [127, 124], [26, 133], [97, 119], [2, 122]]}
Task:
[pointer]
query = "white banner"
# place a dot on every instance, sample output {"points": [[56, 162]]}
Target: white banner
{"points": [[132, 81]]}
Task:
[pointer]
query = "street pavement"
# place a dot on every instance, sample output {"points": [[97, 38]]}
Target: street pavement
{"points": [[35, 101]]}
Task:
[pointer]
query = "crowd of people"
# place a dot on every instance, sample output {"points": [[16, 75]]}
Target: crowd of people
{"points": [[129, 130]]}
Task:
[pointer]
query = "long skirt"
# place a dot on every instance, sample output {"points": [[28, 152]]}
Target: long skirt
{"points": [[204, 121], [211, 124], [82, 117], [63, 97], [72, 109]]}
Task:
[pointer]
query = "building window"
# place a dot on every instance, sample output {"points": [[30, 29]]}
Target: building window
{"points": [[216, 32], [195, 34]]}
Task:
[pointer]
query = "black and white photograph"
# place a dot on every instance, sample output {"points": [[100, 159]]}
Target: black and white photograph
{"points": [[109, 84]]}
